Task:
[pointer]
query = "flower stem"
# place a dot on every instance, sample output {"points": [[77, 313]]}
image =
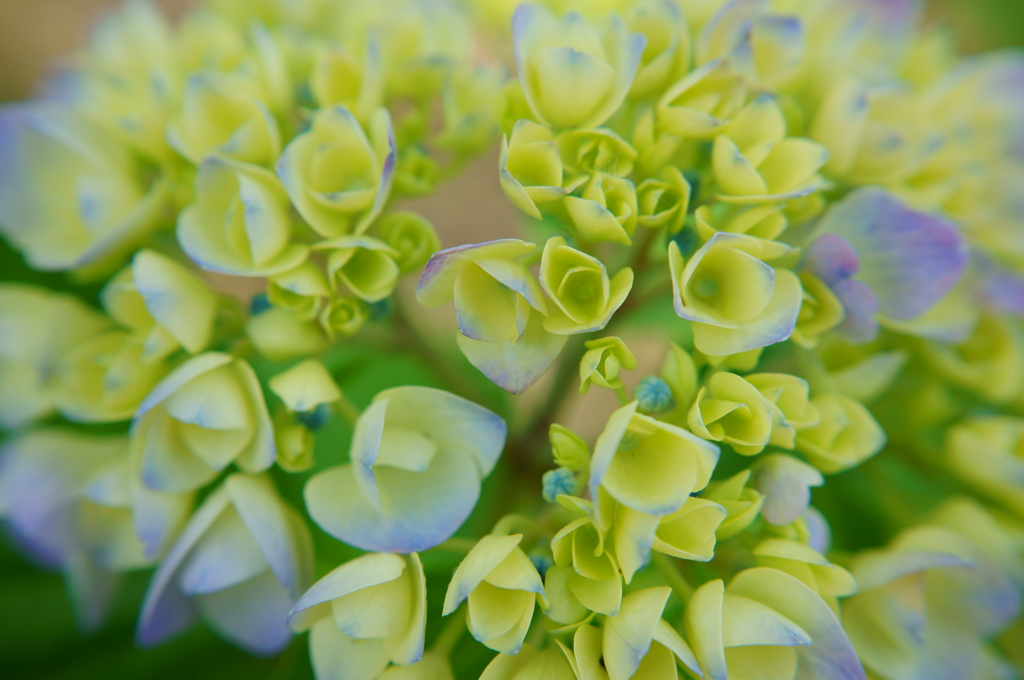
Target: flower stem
{"points": [[451, 633], [347, 410], [667, 566], [623, 395], [515, 522]]}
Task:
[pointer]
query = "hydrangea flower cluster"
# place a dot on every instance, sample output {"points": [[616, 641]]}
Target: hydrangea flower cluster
{"points": [[805, 217]]}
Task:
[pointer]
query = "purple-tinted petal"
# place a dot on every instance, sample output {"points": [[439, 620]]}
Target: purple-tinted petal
{"points": [[166, 610], [910, 259], [830, 654], [417, 521], [515, 365], [436, 286], [831, 258], [860, 306], [1006, 291]]}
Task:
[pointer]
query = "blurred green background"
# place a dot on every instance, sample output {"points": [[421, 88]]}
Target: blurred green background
{"points": [[38, 636]]}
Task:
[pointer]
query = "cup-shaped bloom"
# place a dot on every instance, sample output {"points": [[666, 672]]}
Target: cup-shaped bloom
{"points": [[605, 210], [736, 301], [767, 624], [666, 56], [72, 502], [601, 364], [807, 564], [340, 78], [741, 502], [988, 453], [338, 175], [502, 587], [344, 315], [789, 396], [71, 193], [239, 223], [748, 143], [786, 484], [703, 101], [585, 577], [731, 410], [364, 265], [240, 563], [418, 455], [224, 114], [588, 152], [302, 291], [412, 237], [573, 76], [499, 307], [689, 532], [584, 296], [662, 201], [165, 303], [635, 643], [104, 379], [378, 596], [846, 436], [492, 291], [820, 312], [38, 328], [647, 465], [208, 413], [417, 172], [551, 663], [531, 167]]}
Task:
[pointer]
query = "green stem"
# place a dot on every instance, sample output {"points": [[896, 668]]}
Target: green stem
{"points": [[510, 523], [347, 410], [525, 448], [667, 566], [451, 376], [451, 633], [623, 395]]}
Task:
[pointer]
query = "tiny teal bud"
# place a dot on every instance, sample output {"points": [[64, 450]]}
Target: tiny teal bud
{"points": [[654, 395], [259, 303], [316, 418], [557, 482], [541, 563], [380, 309], [687, 239]]}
